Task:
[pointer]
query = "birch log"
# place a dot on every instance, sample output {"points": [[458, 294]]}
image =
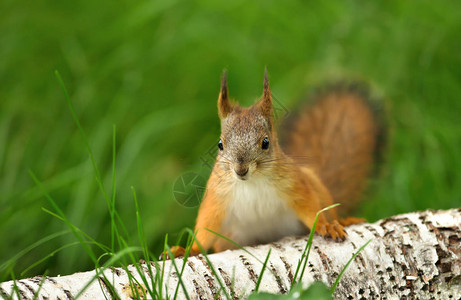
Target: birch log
{"points": [[411, 256]]}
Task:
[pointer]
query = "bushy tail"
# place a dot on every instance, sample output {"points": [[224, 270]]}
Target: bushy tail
{"points": [[340, 135]]}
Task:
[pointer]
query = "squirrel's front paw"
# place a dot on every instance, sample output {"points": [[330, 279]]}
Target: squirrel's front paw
{"points": [[333, 230], [177, 251]]}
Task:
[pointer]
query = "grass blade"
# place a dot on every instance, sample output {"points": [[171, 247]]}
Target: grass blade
{"points": [[262, 271], [236, 244], [112, 206], [307, 249], [215, 274], [42, 281], [21, 253], [93, 241], [63, 217], [48, 256], [77, 122], [173, 262], [115, 258], [333, 288]]}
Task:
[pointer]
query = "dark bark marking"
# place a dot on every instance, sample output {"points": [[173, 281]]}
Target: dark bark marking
{"points": [[146, 270], [212, 286], [395, 247], [31, 289], [115, 271], [131, 272], [22, 294], [447, 252], [353, 245], [68, 294], [387, 220], [282, 288], [36, 279], [410, 267], [191, 265], [454, 240], [108, 287], [324, 258], [397, 221], [209, 279], [388, 232], [228, 282], [359, 233], [198, 290], [316, 274], [4, 294], [204, 262], [445, 267], [297, 247], [278, 246], [52, 280], [249, 268], [453, 228], [448, 237], [288, 268], [362, 261], [373, 231]]}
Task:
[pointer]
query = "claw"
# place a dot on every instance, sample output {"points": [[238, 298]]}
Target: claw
{"points": [[322, 230], [332, 230]]}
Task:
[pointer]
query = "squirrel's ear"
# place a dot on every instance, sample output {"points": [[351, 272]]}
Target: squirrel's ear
{"points": [[224, 106], [266, 102]]}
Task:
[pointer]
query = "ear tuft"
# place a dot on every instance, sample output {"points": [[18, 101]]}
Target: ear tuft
{"points": [[267, 90], [224, 106], [266, 101]]}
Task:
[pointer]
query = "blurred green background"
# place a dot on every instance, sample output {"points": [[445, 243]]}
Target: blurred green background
{"points": [[153, 68]]}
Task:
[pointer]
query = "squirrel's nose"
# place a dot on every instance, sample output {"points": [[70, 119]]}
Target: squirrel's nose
{"points": [[241, 172]]}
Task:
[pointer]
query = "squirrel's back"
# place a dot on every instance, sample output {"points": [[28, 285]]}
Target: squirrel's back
{"points": [[339, 134]]}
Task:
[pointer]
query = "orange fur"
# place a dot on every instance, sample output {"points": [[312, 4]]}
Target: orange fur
{"points": [[211, 215], [338, 135]]}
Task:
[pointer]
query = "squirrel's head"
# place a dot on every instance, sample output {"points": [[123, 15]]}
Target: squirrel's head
{"points": [[248, 141]]}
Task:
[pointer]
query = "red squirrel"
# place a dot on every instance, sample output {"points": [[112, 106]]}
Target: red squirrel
{"points": [[257, 193]]}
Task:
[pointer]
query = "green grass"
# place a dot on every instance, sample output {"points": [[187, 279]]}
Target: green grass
{"points": [[153, 70]]}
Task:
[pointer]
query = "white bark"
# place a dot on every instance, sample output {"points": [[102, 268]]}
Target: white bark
{"points": [[415, 255]]}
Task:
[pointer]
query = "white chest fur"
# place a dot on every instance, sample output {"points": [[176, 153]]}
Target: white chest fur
{"points": [[257, 214]]}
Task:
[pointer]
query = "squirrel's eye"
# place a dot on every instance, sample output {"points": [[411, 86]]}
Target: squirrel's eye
{"points": [[265, 144], [220, 146]]}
